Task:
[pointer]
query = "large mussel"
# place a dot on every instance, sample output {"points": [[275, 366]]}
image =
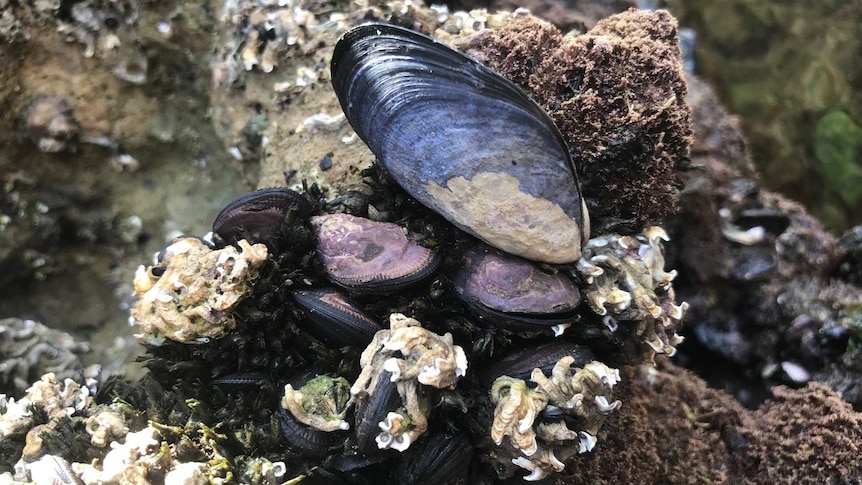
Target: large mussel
{"points": [[462, 140]]}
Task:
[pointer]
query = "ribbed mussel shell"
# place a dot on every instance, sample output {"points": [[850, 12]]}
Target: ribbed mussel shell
{"points": [[521, 364], [462, 140], [257, 216], [334, 319], [515, 293], [367, 256], [439, 459]]}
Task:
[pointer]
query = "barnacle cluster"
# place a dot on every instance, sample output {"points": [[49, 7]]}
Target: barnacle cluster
{"points": [[321, 403], [541, 447], [188, 296], [270, 32], [626, 285], [55, 399], [408, 355]]}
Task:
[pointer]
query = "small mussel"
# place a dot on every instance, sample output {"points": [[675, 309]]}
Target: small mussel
{"points": [[520, 364], [334, 319], [366, 256], [372, 409], [515, 293], [303, 439], [258, 216], [439, 459], [462, 140]]}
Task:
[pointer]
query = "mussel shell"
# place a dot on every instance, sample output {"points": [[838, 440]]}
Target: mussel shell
{"points": [[438, 459], [257, 216], [335, 319], [462, 140], [372, 409], [304, 439], [520, 364], [515, 293], [367, 256]]}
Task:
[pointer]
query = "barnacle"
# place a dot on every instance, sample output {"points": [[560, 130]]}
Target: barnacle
{"points": [[191, 299], [55, 399], [539, 446], [626, 281], [413, 357], [582, 392], [321, 403], [105, 426], [516, 409]]}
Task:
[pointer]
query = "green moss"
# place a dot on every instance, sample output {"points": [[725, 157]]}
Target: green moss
{"points": [[838, 148]]}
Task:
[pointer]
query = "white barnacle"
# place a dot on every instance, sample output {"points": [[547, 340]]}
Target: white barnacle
{"points": [[394, 433], [587, 442], [608, 375], [417, 353], [606, 407], [516, 409], [539, 465], [560, 329], [536, 473], [105, 426]]}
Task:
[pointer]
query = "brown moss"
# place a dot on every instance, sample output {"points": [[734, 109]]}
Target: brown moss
{"points": [[805, 436], [673, 429], [618, 95], [670, 429]]}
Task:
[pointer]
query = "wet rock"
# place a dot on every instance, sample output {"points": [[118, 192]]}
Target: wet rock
{"points": [[50, 124]]}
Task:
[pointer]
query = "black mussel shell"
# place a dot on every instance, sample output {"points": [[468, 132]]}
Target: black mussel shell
{"points": [[773, 220], [304, 439], [371, 409], [334, 319], [367, 256], [438, 459], [242, 381], [520, 364], [462, 140], [515, 293], [258, 216]]}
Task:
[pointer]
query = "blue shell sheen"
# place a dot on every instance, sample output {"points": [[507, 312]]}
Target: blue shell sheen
{"points": [[432, 115]]}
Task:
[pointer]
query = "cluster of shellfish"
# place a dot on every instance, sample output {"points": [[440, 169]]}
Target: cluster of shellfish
{"points": [[450, 354]]}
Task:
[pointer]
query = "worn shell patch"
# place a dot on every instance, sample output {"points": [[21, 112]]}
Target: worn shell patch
{"points": [[493, 207]]}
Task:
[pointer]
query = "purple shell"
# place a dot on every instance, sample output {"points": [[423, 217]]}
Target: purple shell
{"points": [[514, 292], [368, 256], [257, 216]]}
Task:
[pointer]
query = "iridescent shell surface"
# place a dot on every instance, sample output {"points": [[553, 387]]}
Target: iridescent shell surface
{"points": [[514, 292], [334, 319], [369, 256], [257, 216], [462, 140]]}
